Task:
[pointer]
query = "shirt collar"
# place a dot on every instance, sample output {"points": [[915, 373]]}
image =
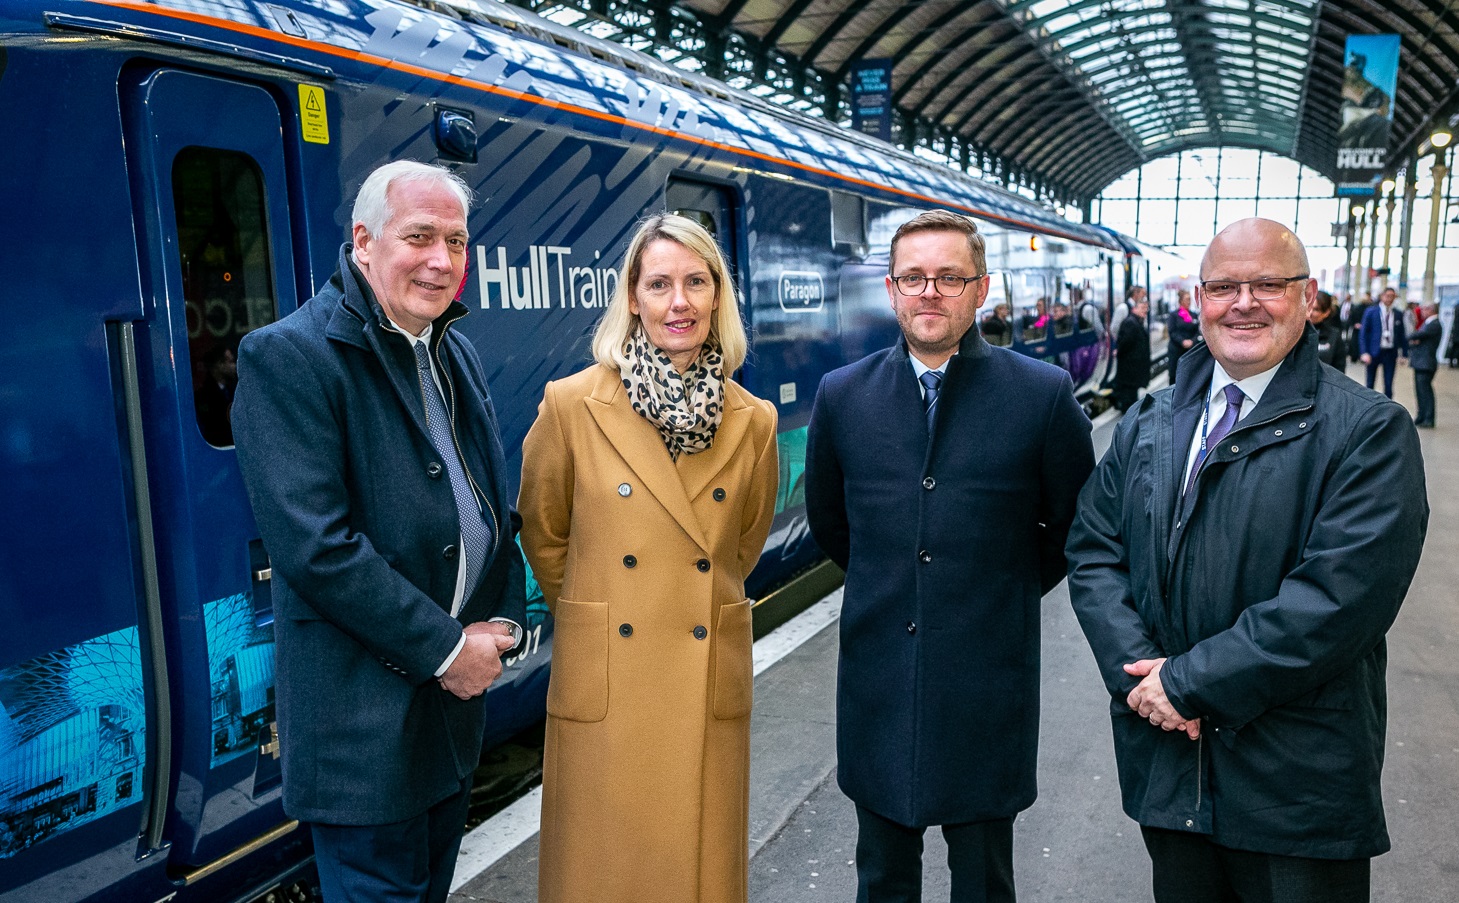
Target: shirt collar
{"points": [[919, 368], [1252, 387], [414, 340]]}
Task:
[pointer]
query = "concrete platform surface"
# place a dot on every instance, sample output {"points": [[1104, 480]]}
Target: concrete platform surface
{"points": [[1075, 844]]}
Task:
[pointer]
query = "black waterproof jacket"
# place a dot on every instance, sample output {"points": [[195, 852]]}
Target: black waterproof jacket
{"points": [[1270, 589]]}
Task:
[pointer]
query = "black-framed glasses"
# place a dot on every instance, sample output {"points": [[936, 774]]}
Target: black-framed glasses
{"points": [[1267, 288], [948, 285]]}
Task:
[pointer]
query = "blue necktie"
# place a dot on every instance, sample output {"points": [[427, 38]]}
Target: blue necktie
{"points": [[1234, 397], [475, 531], [931, 384]]}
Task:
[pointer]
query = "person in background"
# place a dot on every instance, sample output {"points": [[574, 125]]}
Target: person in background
{"points": [[213, 395], [916, 466], [996, 327], [1423, 357], [371, 454], [648, 488], [1382, 340], [1330, 349], [1182, 331], [1132, 356], [1236, 561]]}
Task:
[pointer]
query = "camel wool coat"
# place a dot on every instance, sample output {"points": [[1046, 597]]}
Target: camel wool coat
{"points": [[642, 560]]}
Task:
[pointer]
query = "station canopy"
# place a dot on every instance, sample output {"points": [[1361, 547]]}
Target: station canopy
{"points": [[1068, 96]]}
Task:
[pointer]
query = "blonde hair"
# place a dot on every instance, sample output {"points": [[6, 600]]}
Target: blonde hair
{"points": [[618, 322]]}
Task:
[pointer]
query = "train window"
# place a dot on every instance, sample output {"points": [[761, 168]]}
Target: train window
{"points": [[702, 217], [1035, 312], [848, 219], [224, 258], [993, 320]]}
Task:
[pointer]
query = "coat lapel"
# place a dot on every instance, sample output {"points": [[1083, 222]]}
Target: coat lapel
{"points": [[638, 443], [695, 471]]}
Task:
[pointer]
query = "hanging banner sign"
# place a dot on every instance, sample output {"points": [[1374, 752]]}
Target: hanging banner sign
{"points": [[871, 98], [1369, 78]]}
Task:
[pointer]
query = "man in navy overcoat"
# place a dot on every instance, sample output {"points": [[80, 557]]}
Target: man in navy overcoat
{"points": [[942, 474], [397, 581]]}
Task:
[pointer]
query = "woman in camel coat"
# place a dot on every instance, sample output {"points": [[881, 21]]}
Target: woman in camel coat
{"points": [[648, 488]]}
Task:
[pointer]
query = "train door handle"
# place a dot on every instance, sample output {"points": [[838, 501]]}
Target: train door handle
{"points": [[262, 588]]}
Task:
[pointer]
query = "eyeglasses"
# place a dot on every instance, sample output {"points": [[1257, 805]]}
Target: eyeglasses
{"points": [[1269, 288], [948, 285]]}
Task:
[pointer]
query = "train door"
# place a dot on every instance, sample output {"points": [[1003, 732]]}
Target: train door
{"points": [[712, 207], [212, 217]]}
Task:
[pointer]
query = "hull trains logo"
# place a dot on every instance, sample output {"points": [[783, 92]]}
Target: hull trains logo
{"points": [[547, 281]]}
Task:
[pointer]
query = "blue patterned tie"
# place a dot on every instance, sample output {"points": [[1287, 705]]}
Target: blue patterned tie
{"points": [[1234, 398], [931, 384], [475, 531]]}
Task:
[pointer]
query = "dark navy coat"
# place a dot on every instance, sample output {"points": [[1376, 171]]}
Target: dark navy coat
{"points": [[948, 547], [356, 511], [1270, 589], [1371, 335]]}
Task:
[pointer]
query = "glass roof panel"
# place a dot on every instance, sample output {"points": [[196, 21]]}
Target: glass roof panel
{"points": [[1130, 57]]}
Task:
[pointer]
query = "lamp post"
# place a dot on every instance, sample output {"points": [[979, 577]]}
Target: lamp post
{"points": [[1389, 188], [1439, 140], [1356, 280], [1405, 235]]}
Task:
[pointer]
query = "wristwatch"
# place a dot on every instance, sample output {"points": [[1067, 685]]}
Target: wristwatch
{"points": [[515, 630]]}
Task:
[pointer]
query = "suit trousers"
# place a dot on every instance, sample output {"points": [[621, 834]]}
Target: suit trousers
{"points": [[889, 860], [411, 861], [1387, 359], [1190, 868], [1423, 388]]}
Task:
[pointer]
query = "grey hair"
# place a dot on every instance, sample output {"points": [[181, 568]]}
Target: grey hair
{"points": [[372, 204]]}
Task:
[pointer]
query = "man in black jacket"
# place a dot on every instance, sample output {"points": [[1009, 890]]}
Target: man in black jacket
{"points": [[1236, 561], [1132, 353], [1423, 357]]}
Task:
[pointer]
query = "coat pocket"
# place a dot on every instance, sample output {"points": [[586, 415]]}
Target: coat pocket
{"points": [[578, 687], [734, 666]]}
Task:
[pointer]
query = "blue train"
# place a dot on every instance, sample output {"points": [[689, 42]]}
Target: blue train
{"points": [[180, 175]]}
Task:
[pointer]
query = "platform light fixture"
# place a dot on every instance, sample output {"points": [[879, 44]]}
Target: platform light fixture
{"points": [[1441, 138], [1389, 185]]}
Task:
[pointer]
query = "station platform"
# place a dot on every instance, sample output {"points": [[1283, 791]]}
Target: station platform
{"points": [[1075, 843]]}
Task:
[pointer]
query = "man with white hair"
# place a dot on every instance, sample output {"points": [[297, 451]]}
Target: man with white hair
{"points": [[371, 454]]}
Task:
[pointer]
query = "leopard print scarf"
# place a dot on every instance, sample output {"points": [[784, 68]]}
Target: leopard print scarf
{"points": [[686, 408]]}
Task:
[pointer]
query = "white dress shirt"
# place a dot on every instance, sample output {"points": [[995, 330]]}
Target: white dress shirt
{"points": [[1252, 387]]}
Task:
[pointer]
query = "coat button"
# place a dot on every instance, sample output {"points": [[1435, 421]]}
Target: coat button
{"points": [[1235, 448], [924, 556], [1278, 432], [625, 490], [719, 495], [629, 561], [625, 630], [911, 626], [703, 565], [928, 483], [700, 633], [1189, 823], [433, 470], [449, 553]]}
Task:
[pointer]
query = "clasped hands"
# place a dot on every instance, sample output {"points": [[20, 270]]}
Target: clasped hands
{"points": [[1148, 699], [480, 660]]}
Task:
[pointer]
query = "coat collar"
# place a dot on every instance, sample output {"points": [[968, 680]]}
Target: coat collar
{"points": [[639, 444], [359, 319], [1293, 388]]}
